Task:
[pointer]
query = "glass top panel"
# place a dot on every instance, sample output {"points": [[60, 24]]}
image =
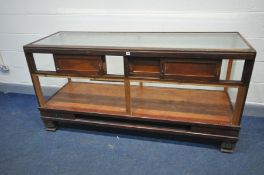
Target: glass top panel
{"points": [[203, 41]]}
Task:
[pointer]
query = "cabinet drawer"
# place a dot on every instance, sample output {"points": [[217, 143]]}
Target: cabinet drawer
{"points": [[80, 64], [143, 67], [187, 69]]}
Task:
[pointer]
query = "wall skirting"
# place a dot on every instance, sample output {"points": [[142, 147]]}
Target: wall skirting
{"points": [[25, 89], [251, 109]]}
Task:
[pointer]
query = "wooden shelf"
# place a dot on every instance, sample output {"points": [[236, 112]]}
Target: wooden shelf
{"points": [[188, 105]]}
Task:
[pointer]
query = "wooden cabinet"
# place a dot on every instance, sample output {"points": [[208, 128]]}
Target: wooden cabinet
{"points": [[143, 67], [207, 70], [193, 59], [80, 64]]}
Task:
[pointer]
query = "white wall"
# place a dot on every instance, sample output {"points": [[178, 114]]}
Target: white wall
{"points": [[24, 21]]}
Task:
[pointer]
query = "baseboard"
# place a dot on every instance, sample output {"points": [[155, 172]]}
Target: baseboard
{"points": [[251, 109], [254, 109], [25, 89]]}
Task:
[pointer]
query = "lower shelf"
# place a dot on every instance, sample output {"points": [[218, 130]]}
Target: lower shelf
{"points": [[202, 106]]}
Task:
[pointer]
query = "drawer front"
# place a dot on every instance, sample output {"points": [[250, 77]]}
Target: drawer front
{"points": [[188, 69], [80, 64], [143, 67]]}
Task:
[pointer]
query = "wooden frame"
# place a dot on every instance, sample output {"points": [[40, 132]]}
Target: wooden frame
{"points": [[227, 132], [90, 65], [215, 66]]}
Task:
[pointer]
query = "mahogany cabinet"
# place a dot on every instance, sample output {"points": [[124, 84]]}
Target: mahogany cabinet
{"points": [[137, 100]]}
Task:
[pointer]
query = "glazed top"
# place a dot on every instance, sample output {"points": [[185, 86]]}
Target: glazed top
{"points": [[197, 41]]}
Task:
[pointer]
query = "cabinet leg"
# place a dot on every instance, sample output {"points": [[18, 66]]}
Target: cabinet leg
{"points": [[227, 147], [50, 125]]}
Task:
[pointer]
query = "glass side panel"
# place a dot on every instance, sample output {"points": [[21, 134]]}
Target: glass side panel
{"points": [[223, 41]]}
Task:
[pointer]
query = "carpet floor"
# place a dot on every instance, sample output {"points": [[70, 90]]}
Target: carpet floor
{"points": [[27, 148]]}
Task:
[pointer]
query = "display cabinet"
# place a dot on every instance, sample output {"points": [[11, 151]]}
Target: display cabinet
{"points": [[173, 83]]}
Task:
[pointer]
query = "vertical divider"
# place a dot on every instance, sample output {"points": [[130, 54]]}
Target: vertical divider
{"points": [[127, 95], [31, 62], [242, 91], [38, 90], [127, 86], [228, 72], [35, 79], [240, 100]]}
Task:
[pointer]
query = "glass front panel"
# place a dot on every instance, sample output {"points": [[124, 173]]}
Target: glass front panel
{"points": [[203, 41]]}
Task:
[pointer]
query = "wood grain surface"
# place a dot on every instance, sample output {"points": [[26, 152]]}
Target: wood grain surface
{"points": [[149, 102]]}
